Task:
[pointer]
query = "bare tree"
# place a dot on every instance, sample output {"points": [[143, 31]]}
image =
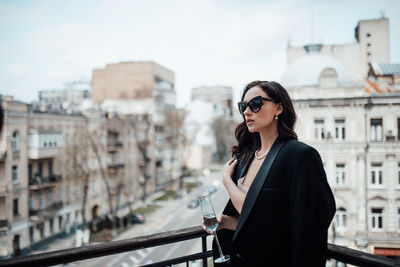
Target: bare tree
{"points": [[78, 166], [141, 125], [175, 135], [223, 130]]}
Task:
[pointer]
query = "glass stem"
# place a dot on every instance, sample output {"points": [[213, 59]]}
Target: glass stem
{"points": [[218, 245]]}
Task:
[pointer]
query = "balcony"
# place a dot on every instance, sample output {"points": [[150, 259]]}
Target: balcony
{"points": [[44, 144], [38, 182], [113, 146], [43, 152], [335, 252], [4, 226], [38, 214]]}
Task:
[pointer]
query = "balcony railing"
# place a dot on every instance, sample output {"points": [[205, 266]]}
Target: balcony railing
{"points": [[339, 253], [45, 211], [41, 182]]}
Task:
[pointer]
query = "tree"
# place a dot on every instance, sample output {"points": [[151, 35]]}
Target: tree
{"points": [[78, 168], [175, 135], [142, 131], [223, 130]]}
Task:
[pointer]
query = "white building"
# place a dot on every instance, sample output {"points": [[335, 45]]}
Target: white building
{"points": [[354, 122]]}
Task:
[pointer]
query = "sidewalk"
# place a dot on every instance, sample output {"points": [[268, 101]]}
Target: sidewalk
{"points": [[69, 241]]}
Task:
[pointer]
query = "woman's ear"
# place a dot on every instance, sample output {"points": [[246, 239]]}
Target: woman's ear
{"points": [[279, 109]]}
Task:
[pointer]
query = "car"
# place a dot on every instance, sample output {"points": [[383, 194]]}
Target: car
{"points": [[212, 189], [194, 203], [136, 218]]}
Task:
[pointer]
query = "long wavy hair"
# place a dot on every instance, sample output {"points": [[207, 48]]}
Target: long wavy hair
{"points": [[249, 142]]}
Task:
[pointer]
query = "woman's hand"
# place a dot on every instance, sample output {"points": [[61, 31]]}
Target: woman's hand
{"points": [[224, 222], [229, 167]]}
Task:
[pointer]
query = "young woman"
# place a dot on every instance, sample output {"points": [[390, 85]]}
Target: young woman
{"points": [[280, 203]]}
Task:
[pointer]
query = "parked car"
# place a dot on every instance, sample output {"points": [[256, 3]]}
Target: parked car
{"points": [[194, 203], [212, 189], [136, 218]]}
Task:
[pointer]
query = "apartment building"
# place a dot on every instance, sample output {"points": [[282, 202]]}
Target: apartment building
{"points": [[145, 89], [354, 122], [59, 171]]}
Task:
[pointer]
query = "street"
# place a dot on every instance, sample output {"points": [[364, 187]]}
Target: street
{"points": [[173, 215]]}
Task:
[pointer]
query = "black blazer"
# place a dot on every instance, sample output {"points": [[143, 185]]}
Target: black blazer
{"points": [[286, 213]]}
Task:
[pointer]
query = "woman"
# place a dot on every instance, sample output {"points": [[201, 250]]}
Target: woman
{"points": [[280, 203]]}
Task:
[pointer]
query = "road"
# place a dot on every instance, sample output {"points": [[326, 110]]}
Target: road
{"points": [[173, 215]]}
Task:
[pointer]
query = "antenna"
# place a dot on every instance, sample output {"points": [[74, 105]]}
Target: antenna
{"points": [[312, 21]]}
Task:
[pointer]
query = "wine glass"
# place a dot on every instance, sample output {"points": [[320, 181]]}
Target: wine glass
{"points": [[210, 221]]}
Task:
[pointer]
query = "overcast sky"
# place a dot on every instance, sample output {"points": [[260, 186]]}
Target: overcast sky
{"points": [[46, 44]]}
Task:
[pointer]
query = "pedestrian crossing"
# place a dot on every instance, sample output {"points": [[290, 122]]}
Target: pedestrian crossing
{"points": [[134, 258]]}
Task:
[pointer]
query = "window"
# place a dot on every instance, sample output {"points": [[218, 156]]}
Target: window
{"points": [[340, 174], [319, 129], [60, 197], [368, 44], [15, 174], [340, 131], [30, 172], [31, 203], [15, 207], [40, 169], [60, 223], [341, 218], [328, 78], [398, 220], [398, 129], [376, 173], [376, 219], [368, 34], [50, 168], [51, 222], [51, 197], [376, 129], [31, 235], [15, 141], [41, 200], [40, 227]]}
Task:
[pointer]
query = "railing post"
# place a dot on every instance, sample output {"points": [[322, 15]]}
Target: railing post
{"points": [[204, 245]]}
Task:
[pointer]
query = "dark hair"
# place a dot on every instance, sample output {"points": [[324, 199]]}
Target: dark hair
{"points": [[249, 142]]}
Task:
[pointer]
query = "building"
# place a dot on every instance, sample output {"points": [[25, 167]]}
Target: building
{"points": [[218, 94], [70, 98], [130, 80], [208, 104], [351, 115], [51, 181], [145, 88], [371, 44]]}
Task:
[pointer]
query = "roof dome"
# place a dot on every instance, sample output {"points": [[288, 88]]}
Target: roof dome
{"points": [[307, 70]]}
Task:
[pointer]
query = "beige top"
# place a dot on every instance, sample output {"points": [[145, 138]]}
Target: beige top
{"points": [[241, 186]]}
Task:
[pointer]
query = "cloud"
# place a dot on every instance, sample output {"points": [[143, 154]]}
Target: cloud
{"points": [[207, 42]]}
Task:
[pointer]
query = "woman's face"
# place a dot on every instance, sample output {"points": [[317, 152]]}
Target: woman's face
{"points": [[265, 118]]}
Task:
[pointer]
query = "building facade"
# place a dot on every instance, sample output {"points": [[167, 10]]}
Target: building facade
{"points": [[59, 172], [351, 116], [145, 89]]}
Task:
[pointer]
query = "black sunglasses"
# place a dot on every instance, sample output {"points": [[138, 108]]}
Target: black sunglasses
{"points": [[254, 104]]}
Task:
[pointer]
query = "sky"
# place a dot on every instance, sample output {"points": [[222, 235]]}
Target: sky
{"points": [[48, 44]]}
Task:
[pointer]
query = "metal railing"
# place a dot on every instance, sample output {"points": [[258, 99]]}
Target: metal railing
{"points": [[338, 253]]}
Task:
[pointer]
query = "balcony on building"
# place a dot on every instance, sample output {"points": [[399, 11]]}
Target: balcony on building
{"points": [[39, 214], [113, 141], [39, 182], [44, 144]]}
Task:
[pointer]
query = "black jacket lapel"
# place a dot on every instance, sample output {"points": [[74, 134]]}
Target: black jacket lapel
{"points": [[257, 184]]}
